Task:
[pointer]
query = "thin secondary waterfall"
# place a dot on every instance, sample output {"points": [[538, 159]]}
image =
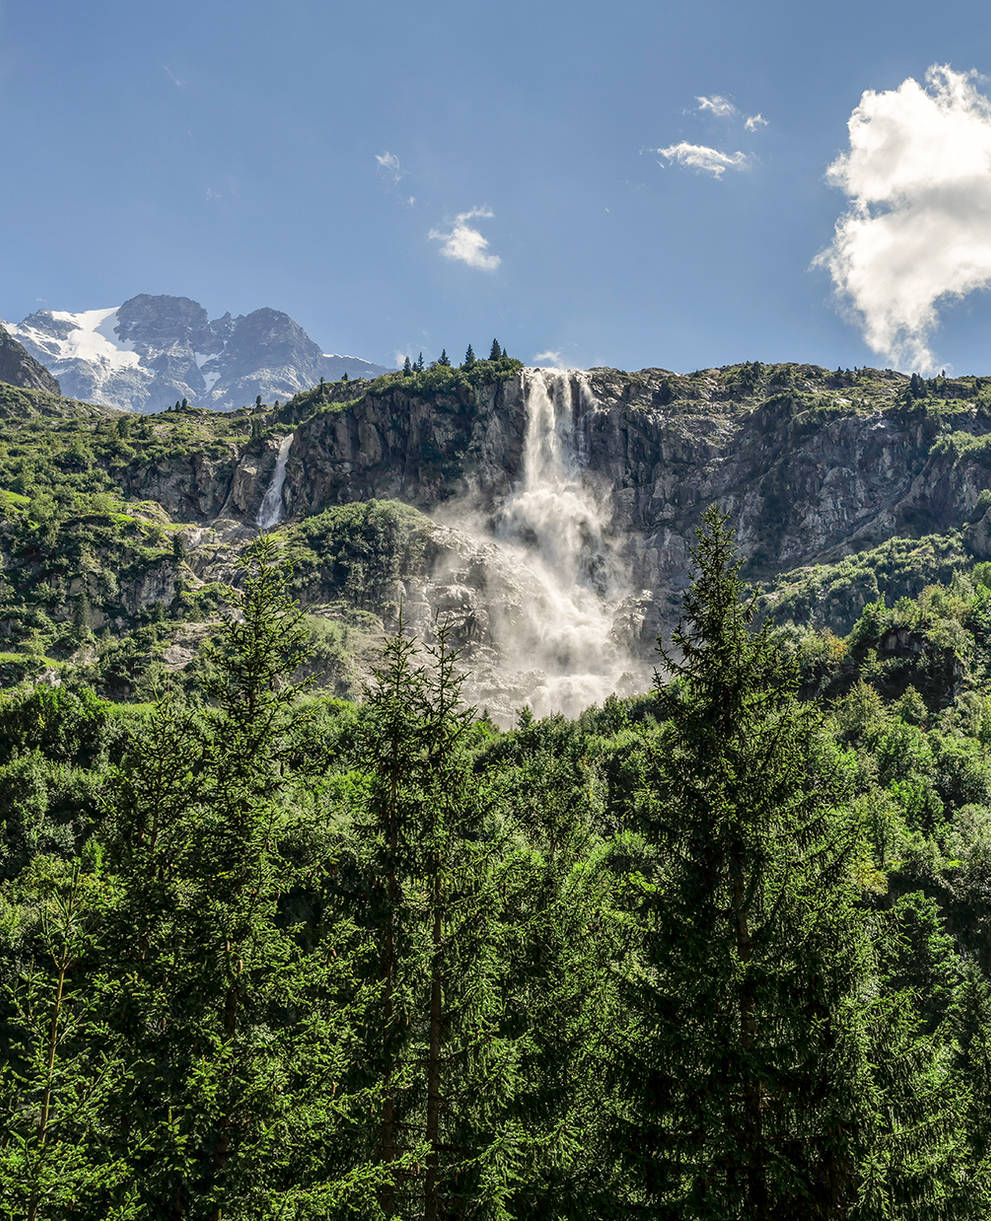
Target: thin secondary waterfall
{"points": [[555, 525], [271, 511]]}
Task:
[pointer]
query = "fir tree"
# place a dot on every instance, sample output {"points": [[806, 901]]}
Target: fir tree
{"points": [[444, 360], [970, 1023], [241, 1020], [58, 1154], [560, 982], [749, 1052], [407, 368], [469, 360], [433, 883], [495, 352]]}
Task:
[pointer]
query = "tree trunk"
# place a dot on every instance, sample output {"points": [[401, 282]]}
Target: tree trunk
{"points": [[752, 1120], [431, 1201], [388, 1129], [46, 1106]]}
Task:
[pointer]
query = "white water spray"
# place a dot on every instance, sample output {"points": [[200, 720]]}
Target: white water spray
{"points": [[560, 637], [271, 511]]}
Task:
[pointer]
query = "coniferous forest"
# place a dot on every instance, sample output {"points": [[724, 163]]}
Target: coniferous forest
{"points": [[719, 951]]}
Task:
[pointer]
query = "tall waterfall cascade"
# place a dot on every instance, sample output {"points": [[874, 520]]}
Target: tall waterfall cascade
{"points": [[558, 589], [272, 510]]}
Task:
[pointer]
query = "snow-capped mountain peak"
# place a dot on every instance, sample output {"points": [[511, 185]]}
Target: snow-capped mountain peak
{"points": [[153, 350]]}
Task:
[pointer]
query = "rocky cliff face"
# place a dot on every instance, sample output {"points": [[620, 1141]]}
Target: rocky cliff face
{"points": [[19, 368], [552, 515], [811, 467], [806, 473], [153, 351]]}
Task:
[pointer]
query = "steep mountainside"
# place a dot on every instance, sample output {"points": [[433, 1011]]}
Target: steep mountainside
{"points": [[152, 351], [548, 516], [19, 368]]}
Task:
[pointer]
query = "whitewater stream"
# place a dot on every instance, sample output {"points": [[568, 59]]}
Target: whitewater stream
{"points": [[555, 623], [271, 510]]}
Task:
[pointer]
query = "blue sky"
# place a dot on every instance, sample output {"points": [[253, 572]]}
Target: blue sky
{"points": [[317, 158]]}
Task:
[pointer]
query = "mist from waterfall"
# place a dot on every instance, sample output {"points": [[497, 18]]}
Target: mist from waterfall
{"points": [[271, 511], [565, 584]]}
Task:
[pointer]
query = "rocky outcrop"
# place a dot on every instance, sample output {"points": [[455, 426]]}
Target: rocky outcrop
{"points": [[19, 368], [191, 487], [424, 450]]}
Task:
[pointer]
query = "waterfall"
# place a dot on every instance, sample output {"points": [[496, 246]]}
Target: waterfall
{"points": [[271, 510], [555, 527]]}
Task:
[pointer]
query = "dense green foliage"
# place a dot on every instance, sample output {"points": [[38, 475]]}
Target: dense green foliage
{"points": [[721, 951]]}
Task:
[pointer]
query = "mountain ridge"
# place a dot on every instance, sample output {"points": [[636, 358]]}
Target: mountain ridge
{"points": [[152, 351], [19, 368]]}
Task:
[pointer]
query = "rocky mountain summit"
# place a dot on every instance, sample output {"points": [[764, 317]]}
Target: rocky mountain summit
{"points": [[153, 351], [19, 368]]}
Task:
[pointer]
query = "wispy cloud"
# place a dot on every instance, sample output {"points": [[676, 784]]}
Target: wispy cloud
{"points": [[550, 358], [702, 158], [389, 164], [465, 243], [917, 232], [722, 108], [719, 106], [179, 84]]}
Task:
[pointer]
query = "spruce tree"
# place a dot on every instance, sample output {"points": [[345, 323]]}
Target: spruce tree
{"points": [[748, 1053], [430, 853], [243, 1021], [59, 1153], [444, 361], [495, 352], [563, 938], [407, 367], [469, 360], [419, 363], [970, 1025]]}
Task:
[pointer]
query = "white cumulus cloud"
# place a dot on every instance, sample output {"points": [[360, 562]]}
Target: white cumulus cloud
{"points": [[701, 157], [465, 243], [917, 233], [549, 359], [754, 121], [719, 106], [389, 162]]}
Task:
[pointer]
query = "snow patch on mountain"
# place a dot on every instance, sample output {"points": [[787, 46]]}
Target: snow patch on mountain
{"points": [[90, 336]]}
